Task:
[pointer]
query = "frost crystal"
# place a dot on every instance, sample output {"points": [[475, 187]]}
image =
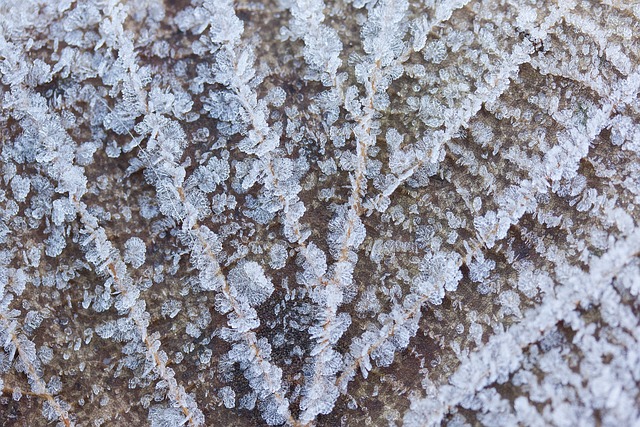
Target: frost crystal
{"points": [[134, 252], [249, 281]]}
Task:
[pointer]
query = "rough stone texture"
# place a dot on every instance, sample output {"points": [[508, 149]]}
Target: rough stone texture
{"points": [[304, 213]]}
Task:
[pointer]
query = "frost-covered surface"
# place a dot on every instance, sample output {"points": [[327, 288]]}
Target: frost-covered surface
{"points": [[303, 213]]}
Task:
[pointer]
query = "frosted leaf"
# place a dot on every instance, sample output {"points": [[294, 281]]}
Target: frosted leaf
{"points": [[168, 196], [283, 169], [182, 105], [517, 200], [208, 277], [352, 101], [243, 319], [249, 281], [160, 101], [107, 330], [431, 112], [503, 134]]}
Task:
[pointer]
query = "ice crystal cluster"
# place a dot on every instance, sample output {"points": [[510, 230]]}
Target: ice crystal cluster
{"points": [[308, 213]]}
